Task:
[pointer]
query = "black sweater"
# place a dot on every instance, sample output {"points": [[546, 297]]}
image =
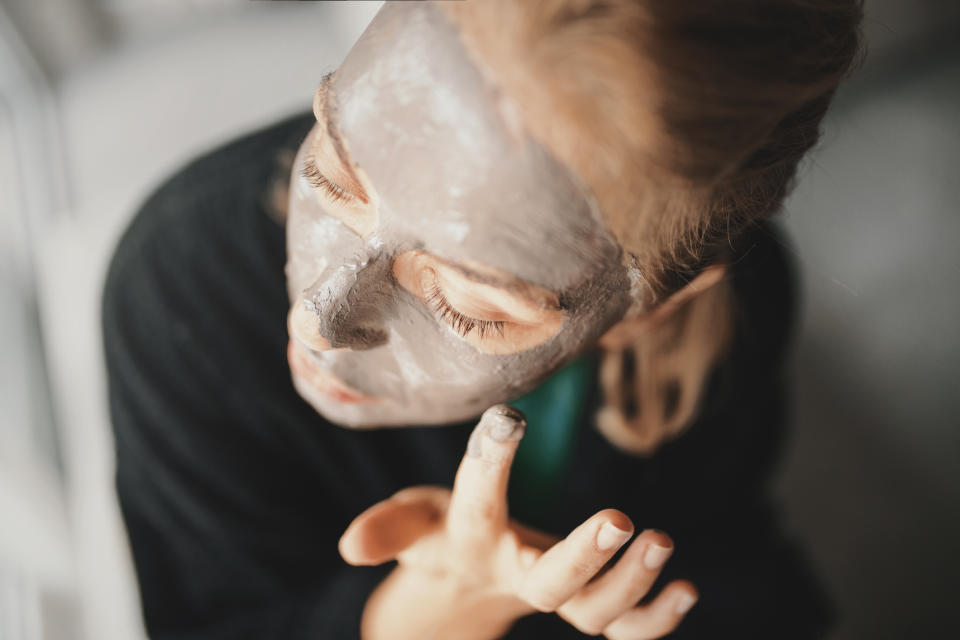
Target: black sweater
{"points": [[235, 492]]}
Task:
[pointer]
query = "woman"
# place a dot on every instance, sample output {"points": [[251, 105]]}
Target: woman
{"points": [[489, 191]]}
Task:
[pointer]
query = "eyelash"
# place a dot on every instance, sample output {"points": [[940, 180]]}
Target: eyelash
{"points": [[458, 322], [320, 181]]}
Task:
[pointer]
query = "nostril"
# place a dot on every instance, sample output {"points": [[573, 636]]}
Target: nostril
{"points": [[303, 324]]}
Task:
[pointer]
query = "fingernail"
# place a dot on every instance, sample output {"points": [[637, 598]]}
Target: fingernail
{"points": [[500, 423], [655, 556], [611, 537], [685, 603], [504, 423]]}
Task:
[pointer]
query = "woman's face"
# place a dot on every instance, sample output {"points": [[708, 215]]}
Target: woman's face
{"points": [[439, 260]]}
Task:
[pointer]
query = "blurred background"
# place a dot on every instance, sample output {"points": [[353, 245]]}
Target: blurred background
{"points": [[101, 99]]}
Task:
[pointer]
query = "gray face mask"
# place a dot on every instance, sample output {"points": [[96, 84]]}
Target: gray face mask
{"points": [[446, 174]]}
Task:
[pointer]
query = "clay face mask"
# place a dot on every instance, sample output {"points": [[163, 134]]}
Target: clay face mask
{"points": [[439, 260]]}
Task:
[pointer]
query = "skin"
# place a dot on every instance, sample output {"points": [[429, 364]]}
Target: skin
{"points": [[466, 570], [419, 185]]}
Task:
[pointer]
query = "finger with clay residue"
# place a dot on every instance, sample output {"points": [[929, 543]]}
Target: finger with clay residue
{"points": [[478, 506]]}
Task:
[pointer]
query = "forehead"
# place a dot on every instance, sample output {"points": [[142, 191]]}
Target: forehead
{"points": [[450, 169]]}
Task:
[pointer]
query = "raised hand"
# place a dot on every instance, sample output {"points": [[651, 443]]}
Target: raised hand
{"points": [[466, 570]]}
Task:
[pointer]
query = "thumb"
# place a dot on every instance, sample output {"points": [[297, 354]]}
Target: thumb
{"points": [[381, 532]]}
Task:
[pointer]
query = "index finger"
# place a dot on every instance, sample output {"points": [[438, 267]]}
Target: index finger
{"points": [[478, 504]]}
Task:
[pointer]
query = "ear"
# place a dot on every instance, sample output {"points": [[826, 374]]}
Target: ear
{"points": [[628, 331]]}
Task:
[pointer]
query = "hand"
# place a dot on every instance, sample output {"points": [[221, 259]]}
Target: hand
{"points": [[465, 570]]}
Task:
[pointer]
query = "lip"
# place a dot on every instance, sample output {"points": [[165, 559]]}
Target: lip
{"points": [[322, 380]]}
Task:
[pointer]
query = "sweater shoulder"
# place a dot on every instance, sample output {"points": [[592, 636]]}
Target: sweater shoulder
{"points": [[213, 190], [197, 277], [204, 217]]}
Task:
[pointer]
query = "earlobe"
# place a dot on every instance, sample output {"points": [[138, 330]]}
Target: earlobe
{"points": [[630, 330]]}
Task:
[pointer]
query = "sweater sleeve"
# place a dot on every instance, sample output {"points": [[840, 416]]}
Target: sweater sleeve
{"points": [[233, 526]]}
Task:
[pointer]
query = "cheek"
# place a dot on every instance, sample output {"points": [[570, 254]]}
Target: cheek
{"points": [[595, 307], [424, 362]]}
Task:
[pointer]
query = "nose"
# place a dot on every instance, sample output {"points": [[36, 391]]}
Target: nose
{"points": [[345, 307], [302, 323]]}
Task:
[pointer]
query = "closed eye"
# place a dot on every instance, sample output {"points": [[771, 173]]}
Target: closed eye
{"points": [[320, 181], [459, 322], [515, 317]]}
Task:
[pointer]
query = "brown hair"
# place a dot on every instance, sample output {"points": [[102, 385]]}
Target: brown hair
{"points": [[687, 119]]}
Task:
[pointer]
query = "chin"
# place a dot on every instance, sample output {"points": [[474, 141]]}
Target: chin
{"points": [[381, 413]]}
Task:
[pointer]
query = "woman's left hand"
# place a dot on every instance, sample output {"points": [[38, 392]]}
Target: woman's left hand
{"points": [[466, 570]]}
